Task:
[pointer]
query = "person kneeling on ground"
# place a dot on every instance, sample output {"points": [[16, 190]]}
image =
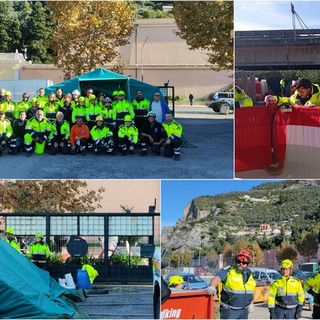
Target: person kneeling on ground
{"points": [[173, 139], [79, 137], [152, 135], [128, 136], [102, 137], [60, 134], [38, 129]]}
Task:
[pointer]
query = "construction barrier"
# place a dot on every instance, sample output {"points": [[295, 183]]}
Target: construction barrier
{"points": [[184, 304], [265, 135]]}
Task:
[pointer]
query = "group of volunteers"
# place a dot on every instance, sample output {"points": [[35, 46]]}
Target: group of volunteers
{"points": [[38, 247], [286, 295], [70, 123]]}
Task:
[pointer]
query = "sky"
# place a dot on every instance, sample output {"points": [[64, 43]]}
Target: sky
{"points": [[275, 15], [176, 194]]}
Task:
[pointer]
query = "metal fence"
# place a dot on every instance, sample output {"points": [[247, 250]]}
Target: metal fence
{"points": [[119, 246]]}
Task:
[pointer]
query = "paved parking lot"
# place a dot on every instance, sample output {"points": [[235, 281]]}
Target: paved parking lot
{"points": [[208, 154]]}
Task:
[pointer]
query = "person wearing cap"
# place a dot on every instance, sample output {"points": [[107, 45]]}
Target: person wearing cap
{"points": [[39, 251], [60, 134], [18, 132], [79, 110], [152, 134], [66, 108], [115, 98], [173, 140], [128, 136], [306, 94], [5, 131], [312, 286], [79, 136], [102, 137], [238, 287], [8, 106], [42, 100], [32, 111], [38, 129], [23, 105], [107, 113], [75, 98], [89, 92], [10, 239], [141, 107], [286, 295], [159, 106], [92, 112], [51, 108], [122, 108], [176, 282]]}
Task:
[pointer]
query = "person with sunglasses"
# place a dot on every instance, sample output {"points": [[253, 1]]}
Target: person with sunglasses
{"points": [[238, 287], [286, 295]]}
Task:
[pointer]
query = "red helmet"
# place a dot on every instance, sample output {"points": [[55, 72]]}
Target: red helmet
{"points": [[244, 255]]}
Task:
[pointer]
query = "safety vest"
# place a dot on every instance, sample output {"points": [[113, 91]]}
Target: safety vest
{"points": [[78, 111], [14, 244], [92, 112], [235, 293], [5, 128], [60, 131], [296, 100], [8, 107], [100, 132], [286, 293], [39, 248], [35, 126], [42, 101], [141, 108], [174, 128], [50, 111], [107, 113], [21, 106], [314, 283], [121, 108], [131, 131]]}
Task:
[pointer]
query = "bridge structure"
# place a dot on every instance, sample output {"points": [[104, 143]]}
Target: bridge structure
{"points": [[297, 49]]}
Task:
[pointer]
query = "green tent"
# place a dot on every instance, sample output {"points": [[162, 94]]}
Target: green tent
{"points": [[106, 81], [29, 292]]}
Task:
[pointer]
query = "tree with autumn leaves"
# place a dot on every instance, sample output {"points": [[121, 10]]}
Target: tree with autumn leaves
{"points": [[62, 196], [207, 25], [87, 33]]}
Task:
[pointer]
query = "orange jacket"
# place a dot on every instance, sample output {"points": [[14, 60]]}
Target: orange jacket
{"points": [[79, 132]]}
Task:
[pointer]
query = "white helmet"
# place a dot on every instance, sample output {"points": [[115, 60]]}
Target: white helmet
{"points": [[77, 92]]}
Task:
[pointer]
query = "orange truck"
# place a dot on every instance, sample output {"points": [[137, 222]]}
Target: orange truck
{"points": [[185, 304]]}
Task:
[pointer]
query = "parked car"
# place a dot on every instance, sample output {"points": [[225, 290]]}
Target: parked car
{"points": [[191, 281], [309, 268], [301, 275], [219, 99], [265, 275]]}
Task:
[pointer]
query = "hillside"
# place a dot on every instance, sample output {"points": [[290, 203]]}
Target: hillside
{"points": [[289, 207]]}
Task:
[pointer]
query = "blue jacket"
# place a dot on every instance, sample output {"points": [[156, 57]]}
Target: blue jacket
{"points": [[164, 108]]}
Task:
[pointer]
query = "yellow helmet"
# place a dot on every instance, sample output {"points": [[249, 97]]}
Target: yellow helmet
{"points": [[9, 230], [7, 93], [33, 100], [175, 280], [127, 118], [39, 235], [99, 118], [92, 96], [286, 264], [81, 99], [121, 93]]}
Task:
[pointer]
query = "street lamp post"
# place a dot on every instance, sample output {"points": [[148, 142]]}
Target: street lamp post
{"points": [[200, 250], [142, 57]]}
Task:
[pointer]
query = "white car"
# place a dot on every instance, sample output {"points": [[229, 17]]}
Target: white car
{"points": [[265, 274]]}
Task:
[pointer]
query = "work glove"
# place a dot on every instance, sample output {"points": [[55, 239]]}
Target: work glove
{"points": [[212, 290], [298, 313], [269, 100], [272, 312]]}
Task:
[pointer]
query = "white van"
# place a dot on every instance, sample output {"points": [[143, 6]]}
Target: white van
{"points": [[265, 274], [218, 99]]}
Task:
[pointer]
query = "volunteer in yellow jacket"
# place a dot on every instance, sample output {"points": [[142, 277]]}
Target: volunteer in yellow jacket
{"points": [[241, 99], [286, 295], [312, 286], [238, 287], [173, 139], [306, 94], [10, 238], [128, 136], [39, 246]]}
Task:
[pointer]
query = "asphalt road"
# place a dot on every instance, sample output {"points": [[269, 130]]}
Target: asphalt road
{"points": [[122, 302], [208, 154]]}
